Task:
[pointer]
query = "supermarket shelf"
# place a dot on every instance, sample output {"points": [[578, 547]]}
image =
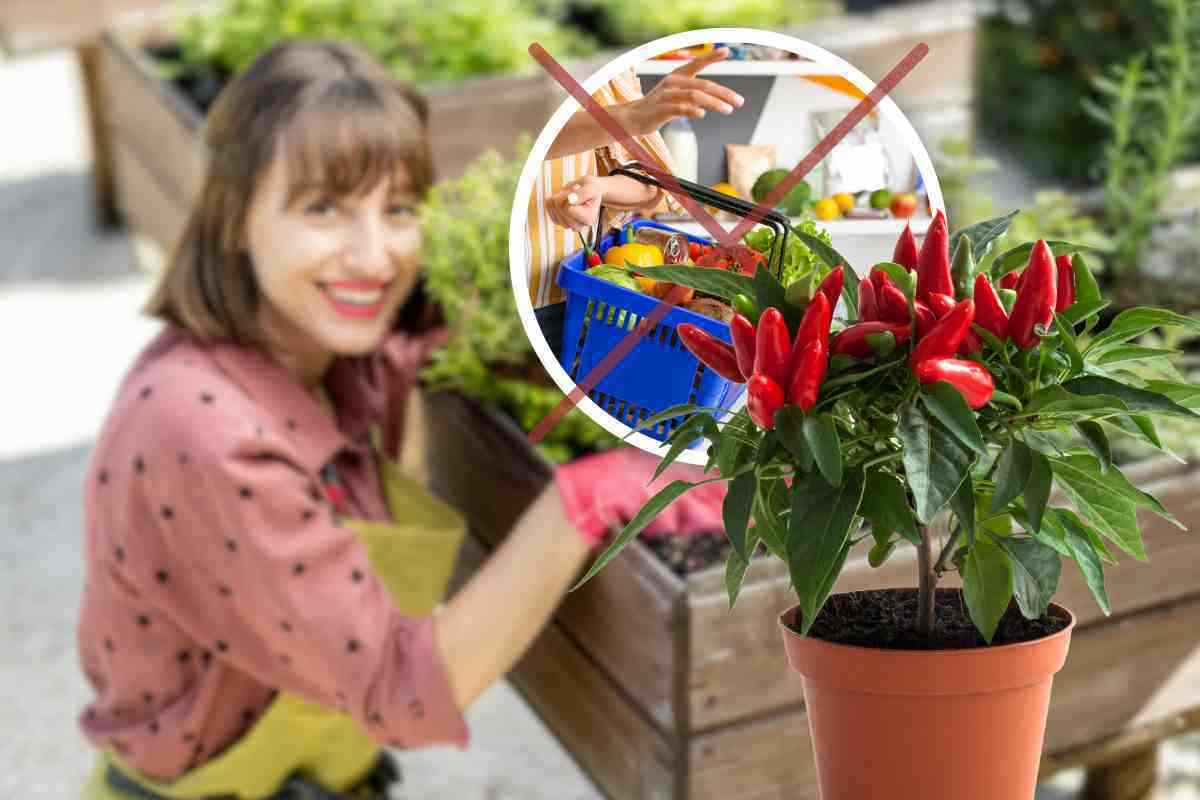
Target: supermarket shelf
{"points": [[739, 68]]}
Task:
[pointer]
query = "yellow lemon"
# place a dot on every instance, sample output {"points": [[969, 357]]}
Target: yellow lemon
{"points": [[724, 188], [827, 208], [844, 200]]}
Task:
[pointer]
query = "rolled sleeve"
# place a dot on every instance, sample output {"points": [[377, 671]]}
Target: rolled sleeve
{"points": [[296, 604]]}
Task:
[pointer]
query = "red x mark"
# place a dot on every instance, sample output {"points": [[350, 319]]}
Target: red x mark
{"points": [[727, 239]]}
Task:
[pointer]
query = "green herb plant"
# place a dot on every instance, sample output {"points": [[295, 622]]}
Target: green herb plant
{"points": [[882, 460]]}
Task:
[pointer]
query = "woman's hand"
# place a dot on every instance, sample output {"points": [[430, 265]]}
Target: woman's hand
{"points": [[577, 205], [602, 492], [680, 94]]}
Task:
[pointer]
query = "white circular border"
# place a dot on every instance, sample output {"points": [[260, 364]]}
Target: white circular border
{"points": [[520, 211]]}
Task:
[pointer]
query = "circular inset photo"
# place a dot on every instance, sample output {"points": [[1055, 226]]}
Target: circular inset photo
{"points": [[670, 233]]}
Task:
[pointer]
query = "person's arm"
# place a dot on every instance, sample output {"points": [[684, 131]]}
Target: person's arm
{"points": [[679, 94], [487, 626], [577, 205]]}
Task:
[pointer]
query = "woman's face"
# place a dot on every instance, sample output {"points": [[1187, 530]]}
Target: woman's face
{"points": [[333, 270]]}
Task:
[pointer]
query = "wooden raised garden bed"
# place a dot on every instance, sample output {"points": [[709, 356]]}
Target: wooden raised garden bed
{"points": [[660, 691], [153, 130]]}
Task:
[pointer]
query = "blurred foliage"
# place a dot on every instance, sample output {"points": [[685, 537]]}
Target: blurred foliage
{"points": [[1038, 59], [634, 22], [956, 167], [1150, 109], [464, 224], [419, 40], [1180, 435]]}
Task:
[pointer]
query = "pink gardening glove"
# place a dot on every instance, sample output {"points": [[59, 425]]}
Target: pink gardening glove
{"points": [[604, 491]]}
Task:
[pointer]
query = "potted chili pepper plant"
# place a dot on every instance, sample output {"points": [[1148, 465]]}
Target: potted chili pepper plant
{"points": [[928, 414]]}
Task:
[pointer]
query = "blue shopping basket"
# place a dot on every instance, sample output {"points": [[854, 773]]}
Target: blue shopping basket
{"points": [[659, 372]]}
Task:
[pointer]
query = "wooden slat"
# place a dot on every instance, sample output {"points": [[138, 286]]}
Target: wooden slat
{"points": [[764, 759], [620, 749], [736, 666], [30, 25], [148, 208], [626, 617]]}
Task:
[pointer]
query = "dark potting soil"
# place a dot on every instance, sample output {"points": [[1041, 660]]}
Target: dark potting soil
{"points": [[687, 554], [886, 619]]}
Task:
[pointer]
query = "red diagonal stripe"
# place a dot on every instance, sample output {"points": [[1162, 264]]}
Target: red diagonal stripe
{"points": [[728, 239]]}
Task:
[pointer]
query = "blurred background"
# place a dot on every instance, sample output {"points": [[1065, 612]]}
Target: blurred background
{"points": [[1082, 114]]}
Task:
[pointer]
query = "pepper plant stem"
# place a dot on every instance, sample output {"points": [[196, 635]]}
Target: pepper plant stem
{"points": [[928, 583]]}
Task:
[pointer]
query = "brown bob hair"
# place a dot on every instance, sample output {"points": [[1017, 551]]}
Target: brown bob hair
{"points": [[342, 120]]}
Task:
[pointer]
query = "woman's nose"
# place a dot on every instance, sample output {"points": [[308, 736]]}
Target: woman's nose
{"points": [[367, 249]]}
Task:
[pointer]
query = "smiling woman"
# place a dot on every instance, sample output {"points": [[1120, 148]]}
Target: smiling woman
{"points": [[257, 619]]}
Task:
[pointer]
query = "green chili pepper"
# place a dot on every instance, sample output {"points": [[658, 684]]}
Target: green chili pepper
{"points": [[745, 305], [963, 269], [1008, 297]]}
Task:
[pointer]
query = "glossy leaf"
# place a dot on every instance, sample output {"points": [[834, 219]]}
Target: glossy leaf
{"points": [[987, 586], [1012, 474], [817, 532], [820, 433], [935, 460], [1036, 570], [983, 233], [885, 505], [947, 405], [735, 512]]}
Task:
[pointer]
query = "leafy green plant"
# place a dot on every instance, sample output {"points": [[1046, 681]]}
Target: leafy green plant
{"points": [[630, 22], [464, 224], [419, 40], [1151, 110], [799, 260], [896, 426]]}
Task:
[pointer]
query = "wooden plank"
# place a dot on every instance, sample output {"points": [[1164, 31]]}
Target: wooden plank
{"points": [[736, 667], [620, 749], [627, 617], [149, 208], [1129, 673], [763, 759], [30, 25], [104, 189]]}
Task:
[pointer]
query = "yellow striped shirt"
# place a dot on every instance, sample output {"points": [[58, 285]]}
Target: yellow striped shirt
{"points": [[546, 244]]}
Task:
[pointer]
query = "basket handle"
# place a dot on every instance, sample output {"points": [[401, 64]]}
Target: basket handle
{"points": [[773, 219]]}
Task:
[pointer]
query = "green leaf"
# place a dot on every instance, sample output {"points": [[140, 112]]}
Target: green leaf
{"points": [[767, 520], [1056, 401], [735, 512], [817, 531], [1037, 490], [1132, 352], [1074, 314], [825, 252], [1137, 321], [963, 504], [1140, 427], [1097, 441], [1018, 257], [987, 578], [669, 494], [768, 291], [1087, 558], [1185, 394], [719, 282], [683, 435], [1036, 570], [1087, 291], [1118, 484], [850, 293], [1091, 492], [1137, 400], [736, 566], [663, 416], [885, 505], [821, 434], [789, 428], [935, 460], [881, 551], [835, 569], [947, 405], [982, 234], [1012, 474], [1067, 336], [733, 448]]}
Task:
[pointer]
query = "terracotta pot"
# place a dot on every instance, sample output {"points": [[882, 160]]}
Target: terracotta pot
{"points": [[927, 724]]}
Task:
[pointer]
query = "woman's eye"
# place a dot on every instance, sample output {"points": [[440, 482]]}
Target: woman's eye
{"points": [[320, 208], [401, 210]]}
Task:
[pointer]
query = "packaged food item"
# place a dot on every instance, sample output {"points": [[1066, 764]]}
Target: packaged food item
{"points": [[745, 162], [680, 139], [674, 246], [859, 161]]}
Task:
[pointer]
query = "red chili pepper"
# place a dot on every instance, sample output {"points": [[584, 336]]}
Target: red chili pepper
{"points": [[712, 352], [971, 379], [933, 263], [1036, 297], [773, 346], [810, 373], [905, 253], [763, 399], [852, 341], [925, 319], [868, 307], [593, 259], [945, 337], [745, 343], [1066, 282], [989, 311], [832, 286], [1010, 280], [940, 304], [694, 251], [893, 305], [814, 327]]}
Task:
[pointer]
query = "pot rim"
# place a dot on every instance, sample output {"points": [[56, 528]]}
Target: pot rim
{"points": [[793, 611]]}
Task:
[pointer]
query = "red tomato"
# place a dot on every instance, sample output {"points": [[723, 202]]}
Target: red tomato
{"points": [[694, 250]]}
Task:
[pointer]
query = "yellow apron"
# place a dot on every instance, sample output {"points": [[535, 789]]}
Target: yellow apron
{"points": [[415, 559]]}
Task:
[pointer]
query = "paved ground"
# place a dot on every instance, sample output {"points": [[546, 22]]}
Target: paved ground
{"points": [[68, 319]]}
